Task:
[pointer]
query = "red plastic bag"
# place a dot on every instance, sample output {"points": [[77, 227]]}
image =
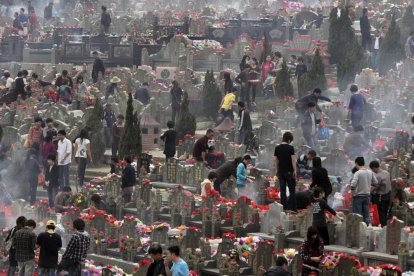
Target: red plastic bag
{"points": [[347, 200], [373, 212], [272, 194]]}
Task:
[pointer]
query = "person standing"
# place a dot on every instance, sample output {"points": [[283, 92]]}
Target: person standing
{"points": [[48, 11], [356, 106], [35, 134], [311, 252], [309, 125], [254, 79], [245, 123], [117, 129], [243, 80], [19, 86], [33, 171], [50, 243], [375, 49], [242, 175], [179, 267], [20, 223], [142, 94], [129, 179], [381, 194], [365, 30], [285, 161], [77, 249], [82, 153], [157, 267], [176, 98], [112, 88], [64, 158], [52, 179], [24, 242], [201, 147], [109, 120], [98, 67], [320, 177], [409, 45], [49, 129], [361, 184], [105, 20], [170, 139], [267, 66]]}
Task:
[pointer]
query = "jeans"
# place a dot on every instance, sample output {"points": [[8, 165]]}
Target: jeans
{"points": [[47, 271], [64, 175], [253, 87], [33, 189], [360, 205], [52, 192], [366, 42], [374, 58], [115, 145], [310, 140], [127, 194], [108, 136], [175, 112], [72, 267], [26, 268], [287, 179], [104, 29], [356, 118], [81, 169]]}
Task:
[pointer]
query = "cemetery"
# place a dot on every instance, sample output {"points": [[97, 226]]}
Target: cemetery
{"points": [[232, 229]]}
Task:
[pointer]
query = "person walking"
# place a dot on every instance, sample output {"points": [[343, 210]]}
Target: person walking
{"points": [[76, 251], [24, 242], [361, 184], [309, 125], [142, 94], [285, 161], [52, 179], [128, 180], [381, 194], [176, 98], [109, 119], [242, 175], [50, 243], [82, 153], [170, 139], [64, 158], [356, 106], [33, 171], [320, 177], [20, 223], [98, 67], [245, 123], [117, 129], [179, 267]]}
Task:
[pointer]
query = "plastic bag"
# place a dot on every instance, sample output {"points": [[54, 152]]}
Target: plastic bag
{"points": [[373, 212]]}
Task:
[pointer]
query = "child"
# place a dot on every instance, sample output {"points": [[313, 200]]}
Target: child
{"points": [[207, 184], [319, 206], [241, 174], [169, 138]]}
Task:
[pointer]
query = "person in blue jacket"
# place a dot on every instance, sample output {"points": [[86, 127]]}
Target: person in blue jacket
{"points": [[241, 174]]}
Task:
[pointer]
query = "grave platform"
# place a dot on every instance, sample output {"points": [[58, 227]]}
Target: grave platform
{"points": [[128, 267], [376, 258]]}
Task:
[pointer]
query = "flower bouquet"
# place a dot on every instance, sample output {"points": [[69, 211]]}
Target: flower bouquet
{"points": [[288, 253]]}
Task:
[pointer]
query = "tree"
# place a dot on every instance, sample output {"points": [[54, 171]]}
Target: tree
{"points": [[391, 50], [94, 126], [267, 47], [284, 86], [352, 63], [211, 96], [186, 123], [315, 77], [407, 24], [130, 143]]}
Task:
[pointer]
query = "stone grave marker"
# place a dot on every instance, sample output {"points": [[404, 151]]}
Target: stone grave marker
{"points": [[344, 267], [352, 229], [192, 238], [160, 235], [393, 237], [263, 256], [379, 237]]}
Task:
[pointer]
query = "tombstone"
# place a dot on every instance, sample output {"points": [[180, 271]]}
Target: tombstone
{"points": [[379, 237], [344, 267], [192, 238], [352, 229], [10, 135], [128, 227], [170, 170], [393, 237], [262, 256], [304, 222], [160, 235], [271, 219]]}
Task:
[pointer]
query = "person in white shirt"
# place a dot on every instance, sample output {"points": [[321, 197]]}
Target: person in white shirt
{"points": [[309, 125], [375, 49], [64, 158], [9, 80], [82, 153]]}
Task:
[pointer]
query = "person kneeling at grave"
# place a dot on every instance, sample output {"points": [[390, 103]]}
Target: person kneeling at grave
{"points": [[207, 184], [63, 200]]}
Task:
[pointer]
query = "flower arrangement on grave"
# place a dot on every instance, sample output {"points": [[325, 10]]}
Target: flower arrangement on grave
{"points": [[331, 260], [288, 253], [247, 245], [91, 269], [80, 200]]}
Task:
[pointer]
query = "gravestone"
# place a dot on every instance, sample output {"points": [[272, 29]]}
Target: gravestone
{"points": [[271, 219], [160, 235], [352, 229], [263, 256], [192, 238], [393, 236]]}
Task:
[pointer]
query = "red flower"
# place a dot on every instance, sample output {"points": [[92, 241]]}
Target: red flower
{"points": [[145, 262]]}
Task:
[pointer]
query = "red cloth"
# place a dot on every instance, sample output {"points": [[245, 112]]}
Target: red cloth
{"points": [[373, 212], [267, 67], [48, 149]]}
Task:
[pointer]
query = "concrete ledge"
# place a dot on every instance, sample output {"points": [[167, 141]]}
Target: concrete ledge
{"points": [[377, 258]]}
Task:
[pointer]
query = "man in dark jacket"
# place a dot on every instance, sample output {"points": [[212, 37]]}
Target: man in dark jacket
{"points": [[98, 67], [48, 12], [245, 123], [243, 80], [128, 180], [309, 125], [281, 268], [105, 20], [365, 30], [142, 94], [301, 105], [201, 146], [157, 267]]}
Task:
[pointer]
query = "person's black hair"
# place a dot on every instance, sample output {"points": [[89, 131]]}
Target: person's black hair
{"points": [[48, 138], [358, 128], [170, 124], [67, 189], [233, 89], [174, 250], [62, 132], [354, 170], [96, 198], [227, 76], [317, 192], [50, 227], [278, 54], [83, 134], [374, 164], [317, 162], [312, 153], [25, 72], [237, 160], [120, 116], [31, 223], [287, 137], [400, 195], [37, 119], [94, 52], [22, 9], [209, 131], [360, 161], [241, 104], [245, 57], [64, 73], [211, 175], [80, 77], [103, 8], [20, 74], [6, 75], [155, 249], [255, 61], [280, 261], [312, 231], [317, 90], [364, 10], [353, 88], [293, 56], [300, 59], [79, 224], [128, 159], [49, 120], [51, 157], [35, 76], [145, 83], [175, 83], [311, 104], [247, 157], [21, 222]]}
